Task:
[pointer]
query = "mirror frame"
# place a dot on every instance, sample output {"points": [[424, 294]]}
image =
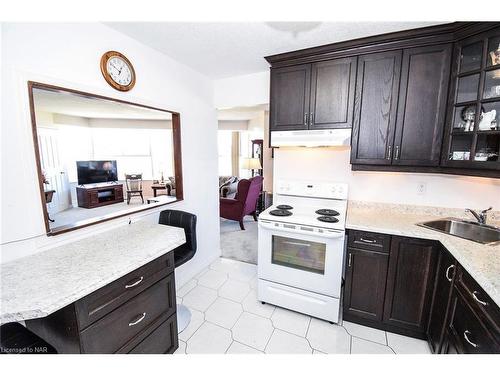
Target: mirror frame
{"points": [[176, 134]]}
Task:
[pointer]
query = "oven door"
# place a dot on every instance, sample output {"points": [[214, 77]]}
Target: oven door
{"points": [[301, 257]]}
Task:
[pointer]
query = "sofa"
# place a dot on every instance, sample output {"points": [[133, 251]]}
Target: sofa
{"points": [[228, 186]]}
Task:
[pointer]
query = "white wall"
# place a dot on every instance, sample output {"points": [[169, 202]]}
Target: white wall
{"points": [[333, 165], [242, 91], [68, 55]]}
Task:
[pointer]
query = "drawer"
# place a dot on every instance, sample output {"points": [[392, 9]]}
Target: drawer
{"points": [[480, 301], [369, 241], [120, 326], [99, 303], [469, 332], [161, 341]]}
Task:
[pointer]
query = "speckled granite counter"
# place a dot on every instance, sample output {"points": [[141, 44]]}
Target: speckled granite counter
{"points": [[481, 261], [40, 284]]}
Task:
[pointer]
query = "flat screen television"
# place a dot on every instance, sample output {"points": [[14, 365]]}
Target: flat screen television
{"points": [[96, 171]]}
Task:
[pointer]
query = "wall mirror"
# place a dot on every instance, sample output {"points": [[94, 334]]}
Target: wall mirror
{"points": [[100, 158]]}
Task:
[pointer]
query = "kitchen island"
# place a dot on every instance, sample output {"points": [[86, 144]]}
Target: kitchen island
{"points": [[75, 294]]}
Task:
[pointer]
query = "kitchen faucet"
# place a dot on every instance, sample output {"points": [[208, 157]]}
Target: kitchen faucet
{"points": [[480, 217]]}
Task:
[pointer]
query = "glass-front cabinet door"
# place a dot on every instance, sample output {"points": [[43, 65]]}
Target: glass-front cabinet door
{"points": [[474, 135], [299, 254]]}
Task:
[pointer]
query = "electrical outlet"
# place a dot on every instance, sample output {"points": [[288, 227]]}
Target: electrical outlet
{"points": [[421, 188]]}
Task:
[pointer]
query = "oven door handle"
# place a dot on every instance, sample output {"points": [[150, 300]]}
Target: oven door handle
{"points": [[329, 234]]}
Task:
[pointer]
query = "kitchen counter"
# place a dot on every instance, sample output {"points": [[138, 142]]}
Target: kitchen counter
{"points": [[481, 261], [40, 284]]}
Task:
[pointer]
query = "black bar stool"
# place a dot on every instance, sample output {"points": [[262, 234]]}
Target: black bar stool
{"points": [[17, 339], [182, 253]]}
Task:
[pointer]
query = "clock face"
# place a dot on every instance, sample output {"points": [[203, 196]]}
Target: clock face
{"points": [[118, 71]]}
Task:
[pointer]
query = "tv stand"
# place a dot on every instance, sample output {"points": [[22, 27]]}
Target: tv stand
{"points": [[97, 196]]}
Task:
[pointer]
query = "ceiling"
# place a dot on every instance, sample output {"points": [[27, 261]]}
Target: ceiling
{"points": [[77, 105], [223, 49]]}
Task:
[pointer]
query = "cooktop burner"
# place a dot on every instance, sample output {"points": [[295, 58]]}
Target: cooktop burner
{"points": [[280, 213], [327, 212], [328, 219], [284, 207]]}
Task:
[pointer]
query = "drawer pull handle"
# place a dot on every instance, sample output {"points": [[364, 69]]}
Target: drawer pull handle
{"points": [[467, 339], [350, 259], [141, 318], [367, 241], [134, 284], [448, 273], [474, 295]]}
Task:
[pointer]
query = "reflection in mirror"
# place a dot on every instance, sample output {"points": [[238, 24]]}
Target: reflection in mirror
{"points": [[101, 158]]}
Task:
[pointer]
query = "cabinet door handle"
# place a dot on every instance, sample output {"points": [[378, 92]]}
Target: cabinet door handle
{"points": [[367, 241], [474, 295], [306, 116], [389, 153], [396, 156], [448, 273], [134, 284], [350, 259], [467, 339], [137, 321], [311, 118]]}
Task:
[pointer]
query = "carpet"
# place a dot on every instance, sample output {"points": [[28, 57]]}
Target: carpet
{"points": [[239, 244]]}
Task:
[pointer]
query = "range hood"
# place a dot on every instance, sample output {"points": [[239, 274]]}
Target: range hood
{"points": [[311, 138]]}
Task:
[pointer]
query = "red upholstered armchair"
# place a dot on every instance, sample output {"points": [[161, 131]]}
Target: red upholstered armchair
{"points": [[245, 201]]}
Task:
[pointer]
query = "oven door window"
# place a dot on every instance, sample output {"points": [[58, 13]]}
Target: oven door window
{"points": [[303, 255]]}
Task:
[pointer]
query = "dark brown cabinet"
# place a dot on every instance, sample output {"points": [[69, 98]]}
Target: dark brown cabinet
{"points": [[409, 284], [290, 88], [400, 107], [416, 288], [313, 96], [134, 314], [442, 293], [365, 284], [332, 94], [422, 105], [472, 137], [407, 115], [389, 287], [467, 332], [375, 108]]}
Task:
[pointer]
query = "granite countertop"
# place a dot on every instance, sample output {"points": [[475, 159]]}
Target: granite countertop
{"points": [[38, 285], [481, 261]]}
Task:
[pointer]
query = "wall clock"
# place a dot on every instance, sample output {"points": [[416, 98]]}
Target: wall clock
{"points": [[118, 71]]}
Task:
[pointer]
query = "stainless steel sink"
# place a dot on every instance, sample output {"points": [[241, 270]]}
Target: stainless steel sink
{"points": [[481, 233]]}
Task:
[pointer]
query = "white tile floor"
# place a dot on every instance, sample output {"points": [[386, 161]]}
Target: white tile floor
{"points": [[228, 318]]}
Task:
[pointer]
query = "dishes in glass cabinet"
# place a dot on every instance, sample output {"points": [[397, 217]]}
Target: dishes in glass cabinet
{"points": [[495, 56], [488, 120], [468, 116]]}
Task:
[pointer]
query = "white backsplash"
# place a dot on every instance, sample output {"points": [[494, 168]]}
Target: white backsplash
{"points": [[332, 164]]}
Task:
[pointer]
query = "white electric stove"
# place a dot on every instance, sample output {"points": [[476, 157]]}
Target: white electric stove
{"points": [[301, 247]]}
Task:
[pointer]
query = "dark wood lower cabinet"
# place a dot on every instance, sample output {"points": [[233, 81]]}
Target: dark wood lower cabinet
{"points": [[467, 332], [134, 314], [365, 284], [409, 284], [416, 288], [442, 293]]}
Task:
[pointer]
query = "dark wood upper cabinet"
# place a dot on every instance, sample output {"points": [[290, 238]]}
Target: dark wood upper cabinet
{"points": [[364, 294], [375, 108], [410, 279], [472, 137], [313, 96], [332, 94], [290, 88], [447, 267], [395, 91], [422, 105]]}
